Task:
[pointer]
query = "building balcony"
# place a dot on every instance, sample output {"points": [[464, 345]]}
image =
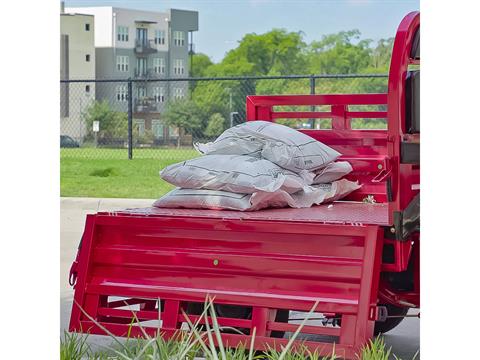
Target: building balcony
{"points": [[144, 73], [144, 47], [145, 105]]}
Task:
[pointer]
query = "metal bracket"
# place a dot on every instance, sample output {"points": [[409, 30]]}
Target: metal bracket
{"points": [[382, 176], [72, 277], [378, 313]]}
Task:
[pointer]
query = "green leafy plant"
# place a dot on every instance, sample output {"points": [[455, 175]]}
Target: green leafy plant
{"points": [[113, 125], [73, 346], [216, 125], [183, 114]]}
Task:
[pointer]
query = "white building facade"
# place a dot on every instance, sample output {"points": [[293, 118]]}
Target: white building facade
{"points": [[137, 44], [77, 61]]}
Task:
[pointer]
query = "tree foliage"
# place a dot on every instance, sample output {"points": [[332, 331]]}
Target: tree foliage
{"points": [[183, 114], [339, 54], [275, 52], [201, 63], [279, 52], [113, 125], [216, 125]]}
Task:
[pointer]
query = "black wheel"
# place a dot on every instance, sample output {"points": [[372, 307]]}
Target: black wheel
{"points": [[239, 312], [381, 327], [282, 316]]}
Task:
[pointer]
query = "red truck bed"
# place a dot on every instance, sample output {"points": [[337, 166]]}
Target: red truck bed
{"points": [[163, 261]]}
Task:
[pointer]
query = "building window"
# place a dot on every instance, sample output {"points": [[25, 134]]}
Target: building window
{"points": [[87, 27], [87, 57], [122, 33], [178, 67], [178, 93], [159, 65], [157, 129], [141, 92], [140, 126], [122, 63], [159, 37], [121, 93], [179, 38], [87, 88], [172, 132], [159, 94]]}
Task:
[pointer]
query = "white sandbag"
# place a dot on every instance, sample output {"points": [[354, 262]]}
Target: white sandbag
{"points": [[204, 199], [333, 171], [236, 173], [337, 190], [217, 200], [280, 144]]}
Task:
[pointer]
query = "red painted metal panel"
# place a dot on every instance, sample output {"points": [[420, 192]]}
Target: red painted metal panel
{"points": [[250, 262], [329, 99], [402, 179], [301, 114]]}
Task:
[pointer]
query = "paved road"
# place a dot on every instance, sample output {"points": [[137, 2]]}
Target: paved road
{"points": [[404, 339]]}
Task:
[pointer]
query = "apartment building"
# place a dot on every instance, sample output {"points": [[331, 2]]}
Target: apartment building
{"points": [[77, 61], [141, 44]]}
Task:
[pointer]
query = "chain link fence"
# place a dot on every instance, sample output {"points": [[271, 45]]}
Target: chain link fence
{"points": [[163, 118]]}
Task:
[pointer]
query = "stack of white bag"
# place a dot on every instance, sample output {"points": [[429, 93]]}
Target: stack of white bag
{"points": [[256, 165]]}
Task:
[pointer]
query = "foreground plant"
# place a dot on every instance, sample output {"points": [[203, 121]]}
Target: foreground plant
{"points": [[73, 346], [301, 353], [204, 339], [377, 350]]}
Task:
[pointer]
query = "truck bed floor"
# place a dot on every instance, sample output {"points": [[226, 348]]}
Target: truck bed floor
{"points": [[337, 212]]}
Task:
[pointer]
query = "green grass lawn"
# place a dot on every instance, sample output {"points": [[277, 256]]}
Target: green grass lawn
{"points": [[108, 172]]}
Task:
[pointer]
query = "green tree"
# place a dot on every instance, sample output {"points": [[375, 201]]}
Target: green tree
{"points": [[279, 52], [184, 114], [216, 125], [113, 124], [275, 52], [341, 53], [382, 54], [201, 63]]}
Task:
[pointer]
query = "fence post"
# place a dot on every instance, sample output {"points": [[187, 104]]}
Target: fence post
{"points": [[130, 120], [312, 92]]}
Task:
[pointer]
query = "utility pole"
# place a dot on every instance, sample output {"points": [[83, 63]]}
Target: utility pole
{"points": [[169, 57], [230, 98], [232, 113]]}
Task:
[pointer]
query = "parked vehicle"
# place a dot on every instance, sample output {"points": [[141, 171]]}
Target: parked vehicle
{"points": [[67, 142], [358, 259]]}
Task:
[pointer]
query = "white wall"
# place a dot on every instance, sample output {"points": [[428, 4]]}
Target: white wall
{"points": [[103, 22], [80, 43]]}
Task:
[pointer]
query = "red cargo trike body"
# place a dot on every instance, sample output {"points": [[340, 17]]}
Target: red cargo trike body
{"points": [[353, 257]]}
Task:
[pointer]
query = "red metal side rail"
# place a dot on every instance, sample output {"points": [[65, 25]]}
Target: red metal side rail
{"points": [[260, 264], [366, 150], [405, 175]]}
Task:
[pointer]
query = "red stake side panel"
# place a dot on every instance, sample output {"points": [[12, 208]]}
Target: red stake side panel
{"points": [[256, 263], [365, 150]]}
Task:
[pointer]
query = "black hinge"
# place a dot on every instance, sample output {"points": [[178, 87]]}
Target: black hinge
{"points": [[409, 153]]}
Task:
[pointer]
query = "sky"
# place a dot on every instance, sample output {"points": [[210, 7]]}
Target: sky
{"points": [[222, 24]]}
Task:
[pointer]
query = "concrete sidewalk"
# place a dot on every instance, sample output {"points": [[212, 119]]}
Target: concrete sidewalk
{"points": [[404, 339]]}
